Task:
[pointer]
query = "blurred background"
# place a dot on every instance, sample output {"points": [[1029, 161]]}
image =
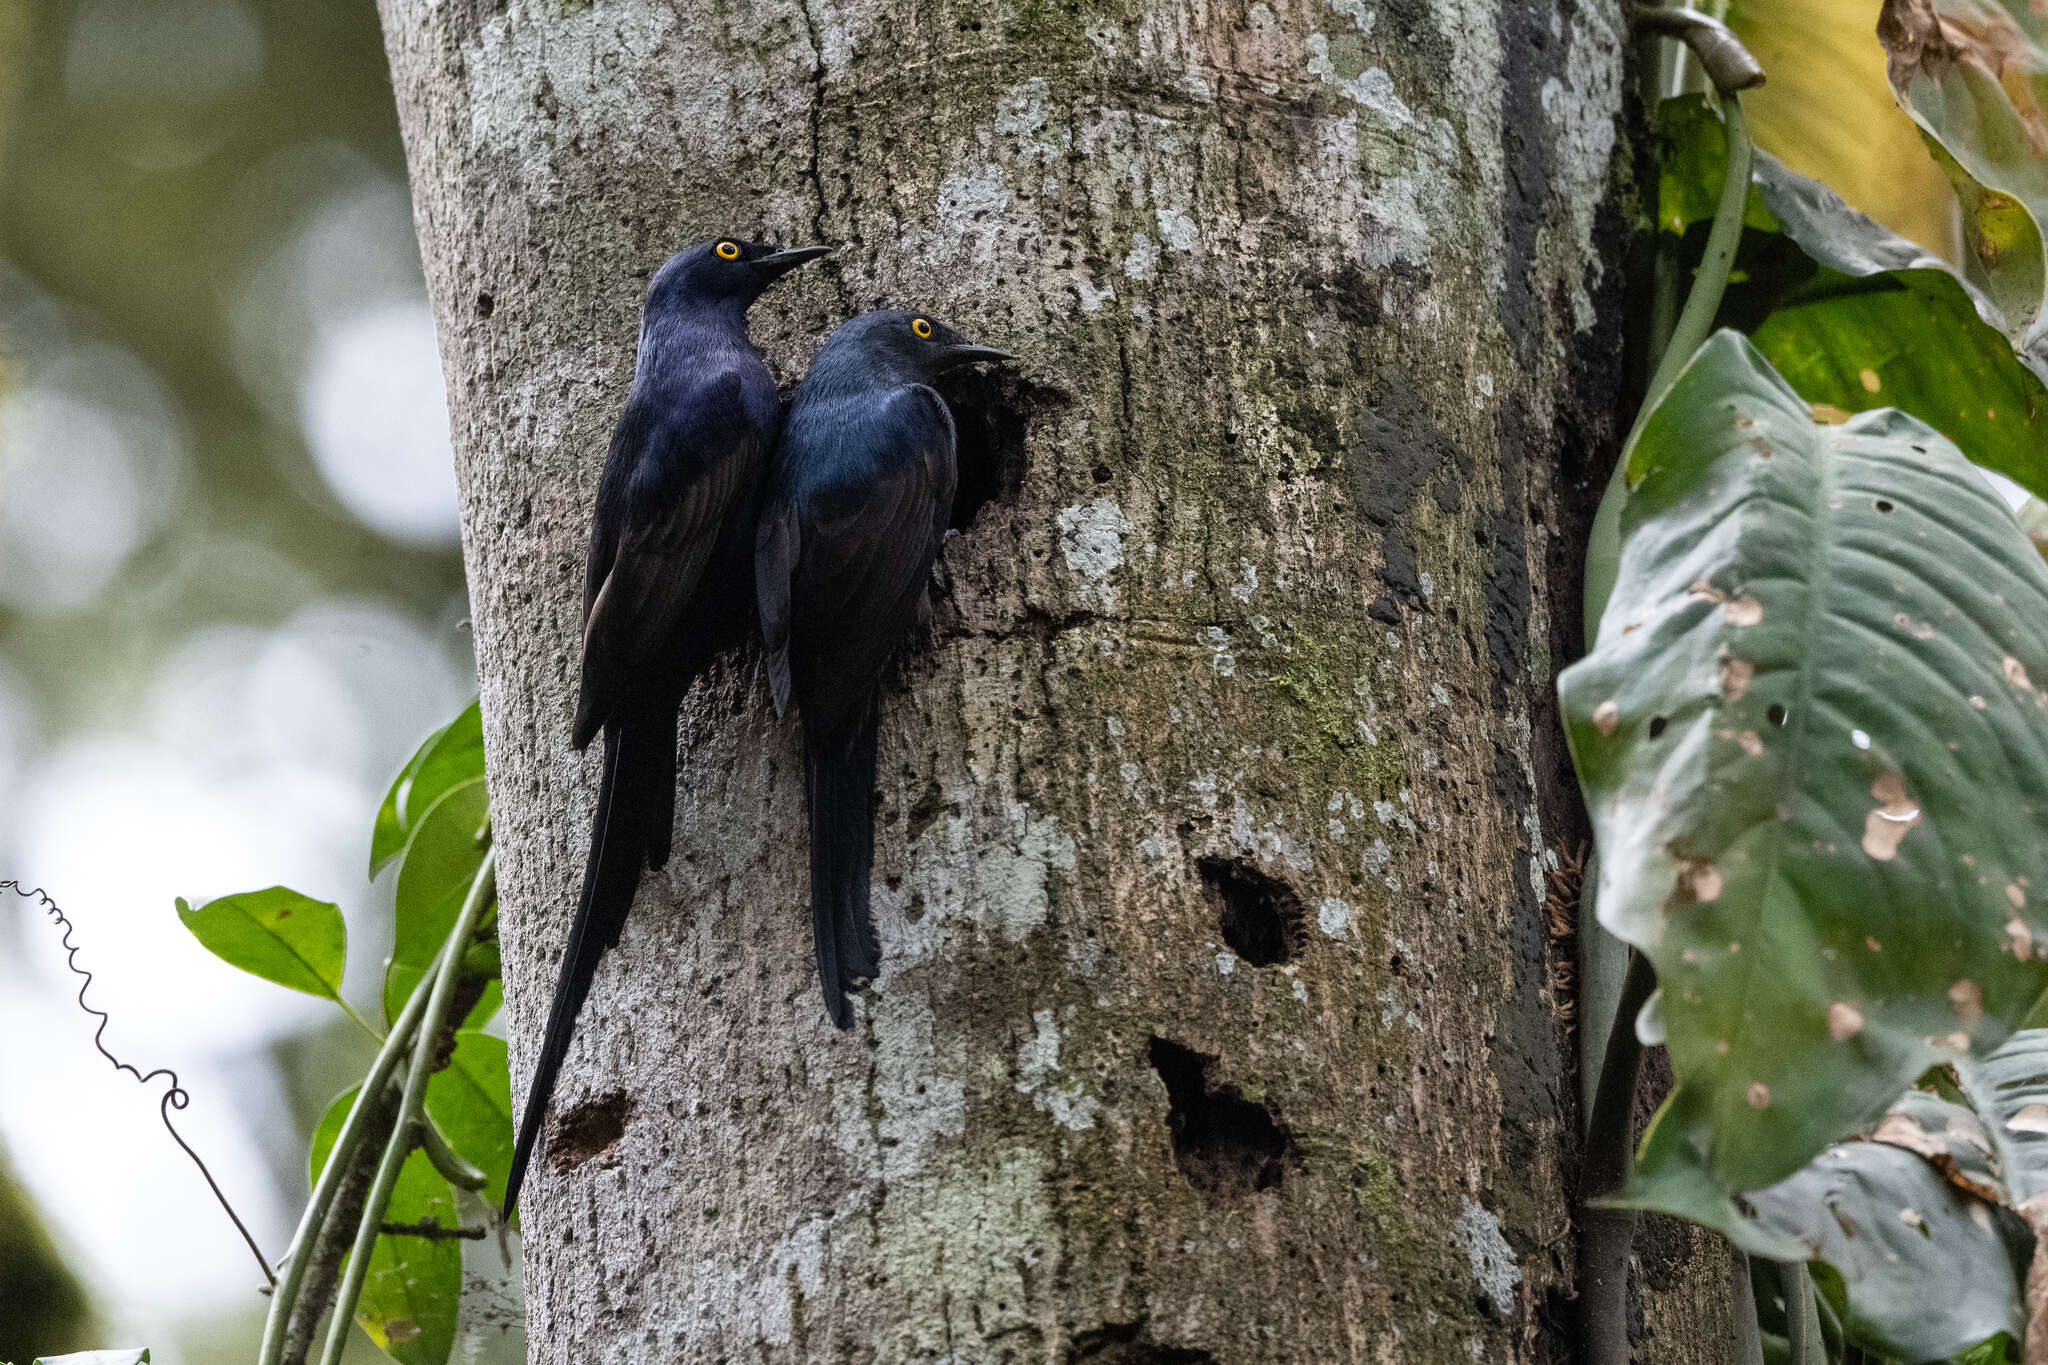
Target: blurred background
{"points": [[231, 598], [230, 605]]}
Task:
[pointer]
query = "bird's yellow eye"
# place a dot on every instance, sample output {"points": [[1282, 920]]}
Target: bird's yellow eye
{"points": [[729, 250], [921, 327]]}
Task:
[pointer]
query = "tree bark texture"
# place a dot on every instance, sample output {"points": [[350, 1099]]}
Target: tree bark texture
{"points": [[1216, 806]]}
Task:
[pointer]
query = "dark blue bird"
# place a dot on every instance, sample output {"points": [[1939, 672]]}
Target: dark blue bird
{"points": [[857, 507], [666, 586]]}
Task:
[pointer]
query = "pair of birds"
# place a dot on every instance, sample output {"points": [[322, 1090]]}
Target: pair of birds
{"points": [[709, 499]]}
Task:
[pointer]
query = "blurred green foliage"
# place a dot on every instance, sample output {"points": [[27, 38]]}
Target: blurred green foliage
{"points": [[142, 193], [45, 1310]]}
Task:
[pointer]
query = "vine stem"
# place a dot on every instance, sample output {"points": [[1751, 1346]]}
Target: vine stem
{"points": [[1695, 322], [425, 1044], [1802, 1315], [339, 1158], [1605, 1233], [1749, 1338]]}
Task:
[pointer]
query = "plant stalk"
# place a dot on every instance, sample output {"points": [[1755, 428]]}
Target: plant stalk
{"points": [[1802, 1314], [447, 972], [1695, 322], [1749, 1338], [332, 1174], [1605, 1233]]}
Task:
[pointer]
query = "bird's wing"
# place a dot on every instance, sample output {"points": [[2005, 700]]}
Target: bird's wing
{"points": [[867, 547], [679, 476]]}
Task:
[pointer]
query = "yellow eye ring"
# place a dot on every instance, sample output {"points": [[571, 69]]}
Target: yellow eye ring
{"points": [[921, 327], [729, 250]]}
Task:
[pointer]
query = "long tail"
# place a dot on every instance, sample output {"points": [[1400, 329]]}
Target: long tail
{"points": [[635, 805], [839, 784]]}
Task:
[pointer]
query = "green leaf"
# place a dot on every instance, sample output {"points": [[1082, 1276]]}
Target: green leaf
{"points": [[2009, 1090], [1828, 111], [441, 861], [1974, 76], [1816, 759], [1692, 161], [1920, 1269], [450, 756], [471, 1102], [1855, 317], [276, 934], [413, 1292], [1883, 324]]}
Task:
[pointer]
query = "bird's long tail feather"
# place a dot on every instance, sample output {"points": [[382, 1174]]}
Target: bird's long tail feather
{"points": [[839, 784], [634, 805]]}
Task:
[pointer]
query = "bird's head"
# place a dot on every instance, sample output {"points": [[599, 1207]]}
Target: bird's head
{"points": [[908, 347], [725, 270]]}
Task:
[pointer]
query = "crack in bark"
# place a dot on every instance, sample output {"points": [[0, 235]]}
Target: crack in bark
{"points": [[815, 135]]}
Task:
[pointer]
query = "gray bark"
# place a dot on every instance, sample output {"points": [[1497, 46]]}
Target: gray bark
{"points": [[1216, 809]]}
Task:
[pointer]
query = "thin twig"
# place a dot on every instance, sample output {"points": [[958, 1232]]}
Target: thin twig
{"points": [[177, 1097], [431, 1230]]}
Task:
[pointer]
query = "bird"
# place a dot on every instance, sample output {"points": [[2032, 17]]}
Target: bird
{"points": [[857, 505], [665, 586]]}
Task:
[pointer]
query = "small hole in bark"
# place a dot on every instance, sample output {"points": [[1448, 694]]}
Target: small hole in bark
{"points": [[1260, 917], [1883, 505], [589, 1130], [992, 417], [1223, 1143], [1657, 724], [1117, 1343], [1775, 714], [485, 305]]}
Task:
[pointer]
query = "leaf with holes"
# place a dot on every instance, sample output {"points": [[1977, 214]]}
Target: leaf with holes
{"points": [[1914, 1266], [441, 862], [276, 934], [1816, 759], [1974, 76], [450, 756], [413, 1292], [470, 1101]]}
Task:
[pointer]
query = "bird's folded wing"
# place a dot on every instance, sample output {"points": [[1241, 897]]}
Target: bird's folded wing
{"points": [[687, 484], [867, 549]]}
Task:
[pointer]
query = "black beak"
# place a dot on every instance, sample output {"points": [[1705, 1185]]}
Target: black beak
{"points": [[957, 356], [779, 263]]}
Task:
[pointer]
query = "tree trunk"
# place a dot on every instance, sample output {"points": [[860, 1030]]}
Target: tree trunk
{"points": [[1215, 811]]}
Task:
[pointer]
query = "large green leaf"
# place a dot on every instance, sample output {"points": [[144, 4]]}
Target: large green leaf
{"points": [[450, 756], [1974, 76], [470, 1100], [1856, 317], [412, 1295], [1917, 1268], [276, 934], [1816, 760], [441, 861]]}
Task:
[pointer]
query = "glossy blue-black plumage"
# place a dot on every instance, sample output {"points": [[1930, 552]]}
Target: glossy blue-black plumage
{"points": [[858, 501], [665, 586]]}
